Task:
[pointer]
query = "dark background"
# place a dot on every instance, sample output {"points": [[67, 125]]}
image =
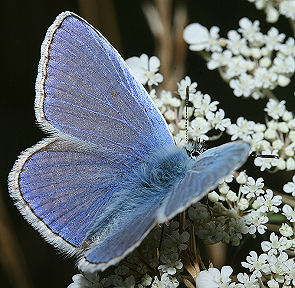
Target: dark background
{"points": [[33, 261]]}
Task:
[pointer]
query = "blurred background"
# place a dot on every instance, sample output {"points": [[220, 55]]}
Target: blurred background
{"points": [[26, 260]]}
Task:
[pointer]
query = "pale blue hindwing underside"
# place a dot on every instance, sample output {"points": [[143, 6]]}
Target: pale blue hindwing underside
{"points": [[110, 171]]}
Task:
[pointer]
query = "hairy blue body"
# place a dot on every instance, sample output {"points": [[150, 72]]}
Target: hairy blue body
{"points": [[153, 179], [160, 171]]}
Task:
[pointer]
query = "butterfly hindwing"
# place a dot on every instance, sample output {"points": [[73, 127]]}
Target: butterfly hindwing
{"points": [[120, 241], [62, 189]]}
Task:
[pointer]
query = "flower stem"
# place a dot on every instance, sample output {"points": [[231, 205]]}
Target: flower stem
{"points": [[292, 24], [269, 94]]}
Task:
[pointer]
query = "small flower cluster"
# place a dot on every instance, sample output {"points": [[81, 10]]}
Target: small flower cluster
{"points": [[274, 8], [145, 69], [273, 267], [202, 112], [252, 62], [276, 137], [235, 213]]}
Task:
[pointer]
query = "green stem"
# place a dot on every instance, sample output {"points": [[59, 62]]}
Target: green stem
{"points": [[269, 94], [292, 24]]}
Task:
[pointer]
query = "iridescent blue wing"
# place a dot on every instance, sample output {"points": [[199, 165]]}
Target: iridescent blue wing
{"points": [[126, 224], [209, 168], [122, 237], [86, 93], [62, 189]]}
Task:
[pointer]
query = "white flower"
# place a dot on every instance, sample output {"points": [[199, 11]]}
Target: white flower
{"points": [[166, 281], [243, 204], [217, 119], [88, 280], [170, 115], [289, 212], [145, 68], [213, 278], [199, 38], [272, 14], [247, 282], [213, 196], [219, 59], [273, 39], [276, 263], [290, 164], [270, 134], [290, 187], [250, 30], [255, 220], [182, 86], [287, 8], [242, 178], [288, 48], [275, 245], [286, 230], [264, 78], [232, 196], [272, 283], [223, 188], [236, 66], [256, 264], [269, 202], [171, 263], [265, 62], [284, 65], [278, 144], [266, 163], [252, 188], [243, 129], [198, 129], [180, 139], [235, 43], [243, 86], [283, 81], [290, 273], [167, 99], [275, 109], [205, 105]]}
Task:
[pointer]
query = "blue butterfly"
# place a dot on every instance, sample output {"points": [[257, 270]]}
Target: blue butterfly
{"points": [[109, 171]]}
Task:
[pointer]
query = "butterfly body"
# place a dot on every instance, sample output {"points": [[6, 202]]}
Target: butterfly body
{"points": [[109, 170]]}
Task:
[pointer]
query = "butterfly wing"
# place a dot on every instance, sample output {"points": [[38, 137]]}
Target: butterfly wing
{"points": [[86, 93], [120, 241], [208, 169], [103, 122], [62, 189]]}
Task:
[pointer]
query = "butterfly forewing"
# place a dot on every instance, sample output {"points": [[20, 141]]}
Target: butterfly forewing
{"points": [[85, 91]]}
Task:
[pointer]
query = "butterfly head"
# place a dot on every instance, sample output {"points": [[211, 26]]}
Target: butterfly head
{"points": [[195, 148]]}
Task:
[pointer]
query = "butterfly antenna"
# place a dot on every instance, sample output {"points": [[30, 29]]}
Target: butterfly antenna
{"points": [[186, 112]]}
